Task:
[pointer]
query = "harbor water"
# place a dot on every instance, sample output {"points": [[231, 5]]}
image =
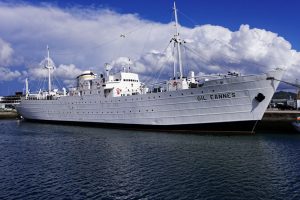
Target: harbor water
{"points": [[47, 161]]}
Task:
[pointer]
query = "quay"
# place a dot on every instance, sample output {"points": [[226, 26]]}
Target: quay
{"points": [[281, 115], [8, 114], [278, 120]]}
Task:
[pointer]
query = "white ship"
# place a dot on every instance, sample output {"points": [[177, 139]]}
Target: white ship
{"points": [[230, 102]]}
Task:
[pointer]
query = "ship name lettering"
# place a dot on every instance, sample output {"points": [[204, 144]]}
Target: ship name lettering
{"points": [[227, 95], [201, 98]]}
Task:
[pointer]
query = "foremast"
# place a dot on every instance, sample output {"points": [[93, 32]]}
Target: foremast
{"points": [[49, 66], [26, 88], [177, 41], [178, 82]]}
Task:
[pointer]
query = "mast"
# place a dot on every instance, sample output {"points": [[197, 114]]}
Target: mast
{"points": [[174, 64], [26, 88], [49, 70], [177, 40]]}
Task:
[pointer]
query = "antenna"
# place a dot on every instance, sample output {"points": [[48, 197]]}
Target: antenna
{"points": [[177, 40]]}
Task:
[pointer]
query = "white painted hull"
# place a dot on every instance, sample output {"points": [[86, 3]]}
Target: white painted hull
{"points": [[217, 101]]}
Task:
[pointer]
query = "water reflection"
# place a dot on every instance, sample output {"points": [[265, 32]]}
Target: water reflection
{"points": [[59, 161]]}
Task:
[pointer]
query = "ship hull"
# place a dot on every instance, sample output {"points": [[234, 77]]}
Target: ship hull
{"points": [[230, 101], [239, 127]]}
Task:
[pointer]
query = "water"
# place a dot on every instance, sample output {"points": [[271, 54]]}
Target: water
{"points": [[41, 161]]}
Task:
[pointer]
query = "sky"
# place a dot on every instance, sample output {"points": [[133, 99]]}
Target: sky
{"points": [[246, 36]]}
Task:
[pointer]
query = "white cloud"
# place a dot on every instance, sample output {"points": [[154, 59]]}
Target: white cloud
{"points": [[212, 49], [5, 53], [69, 83], [89, 38], [67, 71], [62, 71], [61, 76], [74, 36], [8, 75], [121, 62]]}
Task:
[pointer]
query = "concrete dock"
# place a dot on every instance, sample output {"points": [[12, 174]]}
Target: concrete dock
{"points": [[282, 115], [8, 114], [278, 120]]}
